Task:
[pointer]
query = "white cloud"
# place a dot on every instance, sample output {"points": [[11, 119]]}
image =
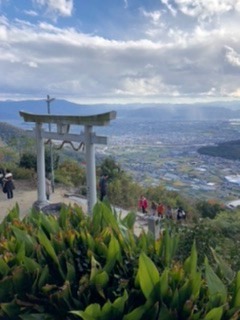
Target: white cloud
{"points": [[171, 55], [61, 7], [232, 57], [207, 8], [170, 7], [155, 16], [31, 13], [32, 64], [3, 33], [144, 86], [235, 94]]}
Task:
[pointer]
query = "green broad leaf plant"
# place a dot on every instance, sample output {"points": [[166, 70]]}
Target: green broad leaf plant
{"points": [[73, 266]]}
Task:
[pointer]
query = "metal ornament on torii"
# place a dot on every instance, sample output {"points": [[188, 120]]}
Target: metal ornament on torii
{"points": [[88, 137]]}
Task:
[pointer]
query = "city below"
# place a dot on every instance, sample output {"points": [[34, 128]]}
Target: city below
{"points": [[166, 153]]}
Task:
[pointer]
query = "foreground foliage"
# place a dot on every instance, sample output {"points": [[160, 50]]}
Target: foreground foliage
{"points": [[72, 266]]}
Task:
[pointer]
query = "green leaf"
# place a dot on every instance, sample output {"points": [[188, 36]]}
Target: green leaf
{"points": [[45, 242], [190, 265], [71, 273], [175, 300], [185, 292], [12, 310], [226, 271], [113, 254], [196, 283], [152, 312], [107, 311], [215, 314], [21, 280], [137, 313], [49, 224], [164, 284], [13, 214], [90, 241], [129, 220], [236, 296], [166, 246], [119, 303], [95, 267], [148, 276], [165, 314], [31, 264], [21, 252], [4, 268], [100, 281], [62, 297], [63, 217], [44, 277], [215, 285], [97, 218], [6, 289], [92, 312], [23, 236], [109, 219]]}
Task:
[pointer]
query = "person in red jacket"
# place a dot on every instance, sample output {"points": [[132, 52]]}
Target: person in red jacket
{"points": [[160, 210], [143, 204]]}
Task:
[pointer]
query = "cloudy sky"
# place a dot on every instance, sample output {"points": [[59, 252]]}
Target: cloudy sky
{"points": [[120, 51]]}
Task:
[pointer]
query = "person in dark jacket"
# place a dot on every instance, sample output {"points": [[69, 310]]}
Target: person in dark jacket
{"points": [[181, 215], [8, 185], [103, 186], [2, 174], [48, 188]]}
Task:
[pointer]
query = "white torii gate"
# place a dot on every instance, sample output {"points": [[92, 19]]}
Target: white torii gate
{"points": [[88, 137]]}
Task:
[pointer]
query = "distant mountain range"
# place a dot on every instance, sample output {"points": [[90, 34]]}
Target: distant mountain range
{"points": [[9, 110]]}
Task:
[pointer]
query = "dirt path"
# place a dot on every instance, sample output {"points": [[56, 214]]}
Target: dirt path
{"points": [[26, 195]]}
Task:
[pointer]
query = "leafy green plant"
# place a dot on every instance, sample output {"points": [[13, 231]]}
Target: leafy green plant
{"points": [[72, 266]]}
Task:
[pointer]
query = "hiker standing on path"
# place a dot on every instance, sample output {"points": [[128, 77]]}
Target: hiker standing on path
{"points": [[181, 215], [2, 174], [8, 185], [169, 212], [153, 208], [160, 210], [48, 188], [143, 204], [103, 186]]}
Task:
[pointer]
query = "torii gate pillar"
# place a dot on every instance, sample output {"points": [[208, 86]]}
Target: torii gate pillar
{"points": [[42, 200], [89, 138], [90, 169]]}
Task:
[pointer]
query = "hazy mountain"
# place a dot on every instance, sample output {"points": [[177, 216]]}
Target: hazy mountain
{"points": [[9, 110], [185, 113]]}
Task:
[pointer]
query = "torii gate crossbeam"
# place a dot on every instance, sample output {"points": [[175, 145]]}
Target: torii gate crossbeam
{"points": [[89, 138]]}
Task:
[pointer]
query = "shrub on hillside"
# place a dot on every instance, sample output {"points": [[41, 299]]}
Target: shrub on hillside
{"points": [[28, 161], [205, 237], [123, 192], [208, 209], [8, 157], [70, 173], [22, 173]]}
